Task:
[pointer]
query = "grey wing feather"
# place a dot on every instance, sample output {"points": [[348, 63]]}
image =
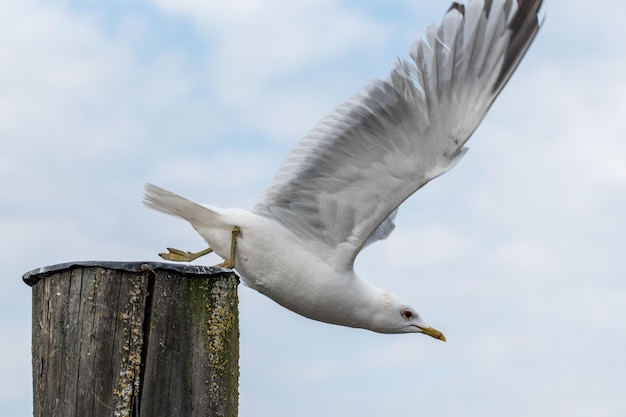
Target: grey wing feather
{"points": [[340, 187], [384, 230]]}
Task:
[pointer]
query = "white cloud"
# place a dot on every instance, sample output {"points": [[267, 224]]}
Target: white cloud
{"points": [[259, 48]]}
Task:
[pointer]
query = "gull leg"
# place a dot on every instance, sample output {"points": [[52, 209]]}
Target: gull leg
{"points": [[230, 262], [178, 255]]}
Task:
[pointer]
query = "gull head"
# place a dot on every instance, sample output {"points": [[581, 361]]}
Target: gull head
{"points": [[395, 316]]}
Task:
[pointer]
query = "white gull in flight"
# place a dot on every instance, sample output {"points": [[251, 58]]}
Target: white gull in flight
{"points": [[340, 187]]}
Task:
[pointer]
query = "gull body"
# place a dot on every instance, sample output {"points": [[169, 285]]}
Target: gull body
{"points": [[340, 187], [305, 283]]}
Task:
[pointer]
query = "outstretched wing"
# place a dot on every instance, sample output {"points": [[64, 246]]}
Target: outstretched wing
{"points": [[340, 186]]}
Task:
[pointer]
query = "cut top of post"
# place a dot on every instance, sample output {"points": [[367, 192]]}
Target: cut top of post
{"points": [[34, 276]]}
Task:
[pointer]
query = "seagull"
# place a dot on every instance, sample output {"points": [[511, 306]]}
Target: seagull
{"points": [[340, 187]]}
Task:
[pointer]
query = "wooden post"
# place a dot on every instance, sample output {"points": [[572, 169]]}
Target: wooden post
{"points": [[134, 339]]}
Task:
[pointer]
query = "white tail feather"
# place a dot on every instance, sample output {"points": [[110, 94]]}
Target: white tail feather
{"points": [[167, 202]]}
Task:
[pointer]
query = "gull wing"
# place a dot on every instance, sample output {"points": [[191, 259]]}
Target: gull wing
{"points": [[340, 187]]}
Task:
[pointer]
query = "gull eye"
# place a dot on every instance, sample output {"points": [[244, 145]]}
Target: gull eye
{"points": [[407, 314]]}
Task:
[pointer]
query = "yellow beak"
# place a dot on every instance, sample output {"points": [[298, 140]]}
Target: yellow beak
{"points": [[432, 332]]}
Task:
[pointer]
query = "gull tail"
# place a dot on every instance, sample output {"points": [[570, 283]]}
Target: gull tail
{"points": [[167, 202]]}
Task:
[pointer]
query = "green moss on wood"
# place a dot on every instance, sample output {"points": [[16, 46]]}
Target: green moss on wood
{"points": [[216, 302]]}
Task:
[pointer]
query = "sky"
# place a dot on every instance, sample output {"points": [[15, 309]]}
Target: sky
{"points": [[518, 254]]}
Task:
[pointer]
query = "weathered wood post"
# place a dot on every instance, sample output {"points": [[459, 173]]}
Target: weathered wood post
{"points": [[134, 339]]}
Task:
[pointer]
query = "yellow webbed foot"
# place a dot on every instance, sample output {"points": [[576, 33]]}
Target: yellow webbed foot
{"points": [[178, 255]]}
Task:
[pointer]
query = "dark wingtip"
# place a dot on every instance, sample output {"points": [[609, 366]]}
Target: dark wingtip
{"points": [[523, 26], [525, 9], [458, 7]]}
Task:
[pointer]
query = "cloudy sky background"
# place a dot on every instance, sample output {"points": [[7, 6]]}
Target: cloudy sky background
{"points": [[518, 254]]}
